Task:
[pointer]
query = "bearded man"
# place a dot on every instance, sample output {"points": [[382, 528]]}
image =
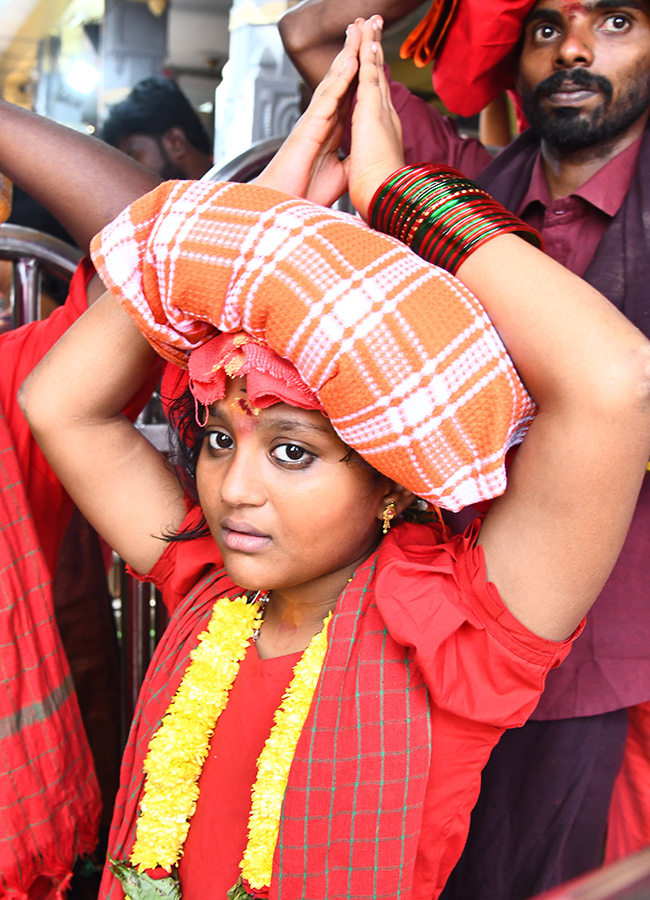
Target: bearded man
{"points": [[582, 70]]}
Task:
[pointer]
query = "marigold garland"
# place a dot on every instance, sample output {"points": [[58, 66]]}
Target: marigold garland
{"points": [[275, 760], [179, 748]]}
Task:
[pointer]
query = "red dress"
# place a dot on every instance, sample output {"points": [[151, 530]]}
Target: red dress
{"points": [[50, 798], [217, 838], [425, 668]]}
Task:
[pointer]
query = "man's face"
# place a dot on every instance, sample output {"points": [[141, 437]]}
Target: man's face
{"points": [[584, 70], [149, 150]]}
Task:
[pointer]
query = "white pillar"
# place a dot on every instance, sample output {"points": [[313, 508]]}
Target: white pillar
{"points": [[259, 97]]}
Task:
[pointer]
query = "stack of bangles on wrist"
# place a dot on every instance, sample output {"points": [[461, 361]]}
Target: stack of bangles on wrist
{"points": [[441, 215]]}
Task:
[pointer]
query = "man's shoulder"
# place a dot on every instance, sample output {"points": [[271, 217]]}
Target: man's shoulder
{"points": [[430, 136]]}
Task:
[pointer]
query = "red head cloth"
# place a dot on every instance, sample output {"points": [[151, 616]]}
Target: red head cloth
{"points": [[473, 45], [269, 378]]}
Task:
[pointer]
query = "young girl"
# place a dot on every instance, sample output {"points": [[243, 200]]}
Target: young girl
{"points": [[328, 694]]}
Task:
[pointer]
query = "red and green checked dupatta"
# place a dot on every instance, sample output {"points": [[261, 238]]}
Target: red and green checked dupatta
{"points": [[368, 698], [49, 803]]}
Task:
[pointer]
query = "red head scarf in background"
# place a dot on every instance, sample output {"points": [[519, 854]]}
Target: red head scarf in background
{"points": [[473, 47]]}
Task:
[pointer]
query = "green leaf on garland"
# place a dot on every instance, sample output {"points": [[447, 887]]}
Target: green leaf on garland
{"points": [[140, 886], [239, 892]]}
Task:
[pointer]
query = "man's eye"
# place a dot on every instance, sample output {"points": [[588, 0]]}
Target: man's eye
{"points": [[617, 23], [291, 453], [219, 440], [544, 33]]}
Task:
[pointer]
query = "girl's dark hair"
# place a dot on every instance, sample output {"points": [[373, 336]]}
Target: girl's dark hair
{"points": [[186, 438]]}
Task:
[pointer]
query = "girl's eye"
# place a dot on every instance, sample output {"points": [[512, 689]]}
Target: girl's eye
{"points": [[219, 440], [292, 454]]}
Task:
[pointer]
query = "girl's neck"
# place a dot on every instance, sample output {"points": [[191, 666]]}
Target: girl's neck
{"points": [[281, 635], [294, 615]]}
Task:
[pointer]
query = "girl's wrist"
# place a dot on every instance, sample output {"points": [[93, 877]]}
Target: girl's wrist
{"points": [[441, 215]]}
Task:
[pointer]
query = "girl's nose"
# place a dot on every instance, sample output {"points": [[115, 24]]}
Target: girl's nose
{"points": [[241, 485]]}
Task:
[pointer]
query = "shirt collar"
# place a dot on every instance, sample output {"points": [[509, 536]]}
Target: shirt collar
{"points": [[606, 190]]}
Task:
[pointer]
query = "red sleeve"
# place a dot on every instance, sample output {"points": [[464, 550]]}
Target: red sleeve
{"points": [[183, 563], [478, 660], [22, 350]]}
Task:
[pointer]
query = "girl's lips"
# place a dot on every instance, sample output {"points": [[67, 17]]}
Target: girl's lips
{"points": [[243, 537]]}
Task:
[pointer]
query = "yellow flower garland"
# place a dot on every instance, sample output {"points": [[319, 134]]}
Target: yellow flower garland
{"points": [[179, 748], [275, 760]]}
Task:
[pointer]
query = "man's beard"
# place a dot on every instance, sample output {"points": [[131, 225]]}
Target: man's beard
{"points": [[170, 171], [571, 128]]}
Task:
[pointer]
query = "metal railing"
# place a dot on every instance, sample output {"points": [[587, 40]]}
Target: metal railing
{"points": [[32, 252]]}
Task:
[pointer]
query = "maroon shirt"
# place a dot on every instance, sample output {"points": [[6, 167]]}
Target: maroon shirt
{"points": [[573, 226], [609, 667]]}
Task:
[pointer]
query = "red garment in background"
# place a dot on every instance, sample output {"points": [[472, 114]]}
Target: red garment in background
{"points": [[478, 57], [20, 351], [49, 798]]}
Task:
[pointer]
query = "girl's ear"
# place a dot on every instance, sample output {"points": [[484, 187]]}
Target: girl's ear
{"points": [[399, 496]]}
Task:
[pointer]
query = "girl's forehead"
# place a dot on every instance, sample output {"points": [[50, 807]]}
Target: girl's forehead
{"points": [[235, 406]]}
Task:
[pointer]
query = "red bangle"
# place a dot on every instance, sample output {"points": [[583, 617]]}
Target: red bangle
{"points": [[442, 215]]}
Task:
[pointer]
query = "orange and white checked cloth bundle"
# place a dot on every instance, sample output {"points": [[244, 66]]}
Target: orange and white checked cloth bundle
{"points": [[403, 357], [6, 191]]}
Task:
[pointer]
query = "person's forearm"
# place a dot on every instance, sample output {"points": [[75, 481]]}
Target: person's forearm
{"points": [[95, 387], [83, 182], [313, 31], [569, 344]]}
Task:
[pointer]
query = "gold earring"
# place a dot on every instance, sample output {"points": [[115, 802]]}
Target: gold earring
{"points": [[389, 513]]}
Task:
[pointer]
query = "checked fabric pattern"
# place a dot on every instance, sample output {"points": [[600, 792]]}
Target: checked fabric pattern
{"points": [[403, 358], [49, 799]]}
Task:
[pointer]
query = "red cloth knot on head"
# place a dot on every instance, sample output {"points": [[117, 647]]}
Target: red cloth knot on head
{"points": [[269, 378]]}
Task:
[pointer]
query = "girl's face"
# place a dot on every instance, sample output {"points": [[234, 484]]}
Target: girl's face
{"points": [[285, 511]]}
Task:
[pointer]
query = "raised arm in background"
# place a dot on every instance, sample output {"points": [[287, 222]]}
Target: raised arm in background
{"points": [[313, 31], [36, 153], [41, 156]]}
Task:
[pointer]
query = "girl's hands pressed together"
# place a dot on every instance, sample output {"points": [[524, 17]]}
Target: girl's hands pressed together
{"points": [[376, 150], [308, 164]]}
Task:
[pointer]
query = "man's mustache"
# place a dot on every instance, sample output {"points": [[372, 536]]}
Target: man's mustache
{"points": [[579, 77]]}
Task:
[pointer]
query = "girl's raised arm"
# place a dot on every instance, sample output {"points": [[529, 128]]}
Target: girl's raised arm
{"points": [[552, 539], [73, 402]]}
